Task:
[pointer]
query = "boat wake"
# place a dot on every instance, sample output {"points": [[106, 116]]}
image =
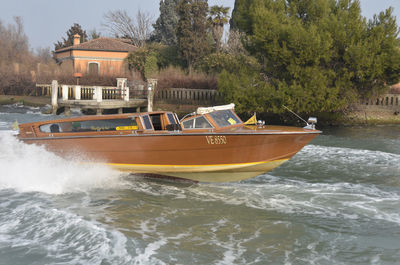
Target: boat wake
{"points": [[311, 210], [337, 164], [320, 182], [59, 236], [27, 168]]}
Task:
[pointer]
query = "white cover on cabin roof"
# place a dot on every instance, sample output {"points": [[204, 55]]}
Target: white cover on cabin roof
{"points": [[205, 110]]}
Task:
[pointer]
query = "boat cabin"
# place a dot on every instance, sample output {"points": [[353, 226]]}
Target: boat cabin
{"points": [[204, 120], [219, 119], [103, 125]]}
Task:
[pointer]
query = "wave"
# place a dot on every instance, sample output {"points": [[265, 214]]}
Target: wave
{"points": [[64, 238], [338, 164], [4, 124], [346, 201], [349, 155], [28, 168]]}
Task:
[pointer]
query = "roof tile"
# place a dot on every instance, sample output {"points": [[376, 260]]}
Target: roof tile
{"points": [[102, 44]]}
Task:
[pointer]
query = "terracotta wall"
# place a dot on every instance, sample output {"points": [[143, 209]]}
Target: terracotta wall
{"points": [[99, 54], [109, 63], [105, 67]]}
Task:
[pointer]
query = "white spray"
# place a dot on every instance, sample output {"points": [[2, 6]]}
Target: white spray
{"points": [[28, 168]]}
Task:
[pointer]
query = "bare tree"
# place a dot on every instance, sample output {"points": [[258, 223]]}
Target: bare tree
{"points": [[94, 34], [13, 40], [137, 29], [44, 55]]}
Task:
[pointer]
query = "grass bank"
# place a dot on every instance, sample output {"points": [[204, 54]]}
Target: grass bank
{"points": [[26, 100], [372, 117]]}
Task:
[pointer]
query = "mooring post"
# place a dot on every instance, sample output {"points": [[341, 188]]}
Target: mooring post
{"points": [[152, 83], [150, 98], [54, 96], [67, 111]]}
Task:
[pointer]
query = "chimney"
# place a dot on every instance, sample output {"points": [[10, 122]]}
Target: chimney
{"points": [[77, 39]]}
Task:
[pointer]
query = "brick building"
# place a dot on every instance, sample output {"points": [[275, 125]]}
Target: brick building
{"points": [[101, 57]]}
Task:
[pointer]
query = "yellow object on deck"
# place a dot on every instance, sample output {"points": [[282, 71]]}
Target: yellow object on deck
{"points": [[252, 120], [126, 128]]}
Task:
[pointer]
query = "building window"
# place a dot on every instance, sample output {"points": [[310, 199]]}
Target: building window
{"points": [[94, 68]]}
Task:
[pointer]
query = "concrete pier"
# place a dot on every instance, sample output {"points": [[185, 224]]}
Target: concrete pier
{"points": [[99, 98]]}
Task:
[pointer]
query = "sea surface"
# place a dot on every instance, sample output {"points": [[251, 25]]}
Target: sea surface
{"points": [[336, 202]]}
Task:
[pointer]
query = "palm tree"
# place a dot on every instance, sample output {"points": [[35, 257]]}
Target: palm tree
{"points": [[218, 17]]}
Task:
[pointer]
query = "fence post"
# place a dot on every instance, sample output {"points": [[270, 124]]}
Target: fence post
{"points": [[94, 93], [77, 92], [54, 95], [126, 96], [64, 92], [122, 83], [98, 93]]}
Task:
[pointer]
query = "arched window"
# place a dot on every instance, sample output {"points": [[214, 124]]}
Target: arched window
{"points": [[94, 68]]}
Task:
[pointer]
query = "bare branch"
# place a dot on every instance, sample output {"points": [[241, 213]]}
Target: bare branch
{"points": [[137, 29]]}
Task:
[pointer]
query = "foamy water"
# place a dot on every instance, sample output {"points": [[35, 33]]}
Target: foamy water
{"points": [[27, 168], [336, 202]]}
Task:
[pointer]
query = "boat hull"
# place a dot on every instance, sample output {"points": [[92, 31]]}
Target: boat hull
{"points": [[199, 157], [210, 173]]}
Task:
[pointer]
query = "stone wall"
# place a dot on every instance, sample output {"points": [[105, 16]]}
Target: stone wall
{"points": [[187, 96], [381, 110], [388, 101]]}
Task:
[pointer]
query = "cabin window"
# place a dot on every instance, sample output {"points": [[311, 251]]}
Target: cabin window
{"points": [[156, 120], [147, 122], [91, 126], [225, 118], [197, 123], [171, 118]]}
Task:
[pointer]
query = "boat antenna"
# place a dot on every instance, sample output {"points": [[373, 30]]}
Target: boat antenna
{"points": [[295, 114]]}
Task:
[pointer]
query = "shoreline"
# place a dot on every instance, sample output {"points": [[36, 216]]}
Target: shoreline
{"points": [[31, 101], [372, 115], [359, 116]]}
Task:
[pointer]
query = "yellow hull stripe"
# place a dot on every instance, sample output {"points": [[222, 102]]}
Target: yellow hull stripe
{"points": [[186, 166], [204, 173]]}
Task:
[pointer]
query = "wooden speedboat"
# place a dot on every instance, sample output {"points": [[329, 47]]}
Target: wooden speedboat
{"points": [[211, 145]]}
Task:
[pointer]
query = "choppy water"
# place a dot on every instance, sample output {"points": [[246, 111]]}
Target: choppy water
{"points": [[336, 202]]}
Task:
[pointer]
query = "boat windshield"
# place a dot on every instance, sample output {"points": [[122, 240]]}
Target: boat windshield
{"points": [[91, 126], [225, 118], [199, 122]]}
